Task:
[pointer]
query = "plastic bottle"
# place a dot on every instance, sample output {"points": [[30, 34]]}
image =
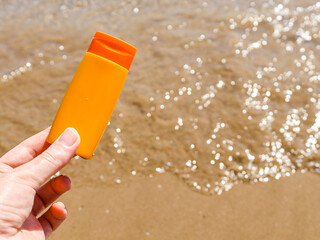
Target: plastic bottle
{"points": [[94, 91]]}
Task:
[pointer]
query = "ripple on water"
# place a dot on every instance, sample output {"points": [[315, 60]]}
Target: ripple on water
{"points": [[220, 93]]}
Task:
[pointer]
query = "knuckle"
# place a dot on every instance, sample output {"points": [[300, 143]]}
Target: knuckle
{"points": [[49, 158], [29, 151]]}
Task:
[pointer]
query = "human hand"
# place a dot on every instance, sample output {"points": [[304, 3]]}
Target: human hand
{"points": [[24, 193]]}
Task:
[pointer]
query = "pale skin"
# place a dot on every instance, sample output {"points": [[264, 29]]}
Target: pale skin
{"points": [[25, 191]]}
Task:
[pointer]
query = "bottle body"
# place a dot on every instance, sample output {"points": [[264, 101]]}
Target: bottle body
{"points": [[89, 101]]}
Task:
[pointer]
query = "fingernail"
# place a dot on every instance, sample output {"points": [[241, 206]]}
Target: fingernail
{"points": [[60, 204], [69, 137]]}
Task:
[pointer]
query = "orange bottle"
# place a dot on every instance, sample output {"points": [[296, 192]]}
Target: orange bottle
{"points": [[94, 91]]}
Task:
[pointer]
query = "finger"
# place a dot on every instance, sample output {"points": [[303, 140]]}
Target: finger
{"points": [[27, 150], [49, 192], [36, 172], [52, 218]]}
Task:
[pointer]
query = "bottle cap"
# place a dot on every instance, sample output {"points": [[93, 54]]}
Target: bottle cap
{"points": [[112, 49]]}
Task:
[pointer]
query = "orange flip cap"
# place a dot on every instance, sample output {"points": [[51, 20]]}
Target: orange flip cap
{"points": [[113, 49]]}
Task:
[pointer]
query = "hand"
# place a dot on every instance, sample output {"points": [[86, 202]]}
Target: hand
{"points": [[24, 193]]}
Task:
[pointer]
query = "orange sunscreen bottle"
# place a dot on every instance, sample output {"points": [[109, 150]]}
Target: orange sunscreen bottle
{"points": [[94, 91]]}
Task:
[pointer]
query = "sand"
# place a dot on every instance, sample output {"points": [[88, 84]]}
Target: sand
{"points": [[164, 208], [221, 95]]}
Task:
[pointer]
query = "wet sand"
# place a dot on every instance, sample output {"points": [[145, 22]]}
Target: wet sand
{"points": [[164, 208], [221, 108]]}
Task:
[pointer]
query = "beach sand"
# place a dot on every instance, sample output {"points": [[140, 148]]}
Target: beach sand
{"points": [[164, 208], [222, 95]]}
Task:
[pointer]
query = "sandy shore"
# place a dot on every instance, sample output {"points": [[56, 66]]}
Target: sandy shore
{"points": [[164, 208], [219, 92]]}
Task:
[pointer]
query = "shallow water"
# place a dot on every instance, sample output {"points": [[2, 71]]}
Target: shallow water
{"points": [[220, 92]]}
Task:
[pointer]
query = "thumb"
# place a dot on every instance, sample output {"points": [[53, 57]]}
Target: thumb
{"points": [[36, 172]]}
